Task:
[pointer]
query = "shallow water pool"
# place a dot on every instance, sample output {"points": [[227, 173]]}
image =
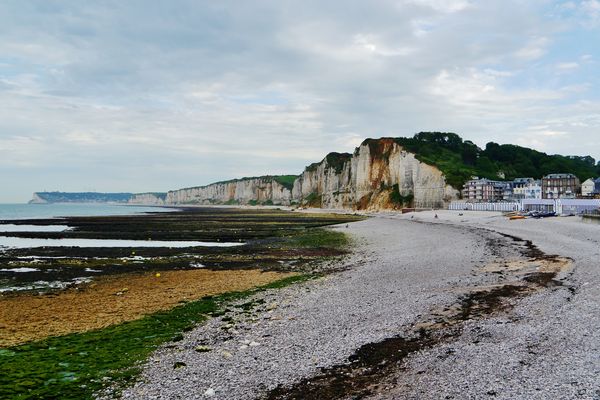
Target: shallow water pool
{"points": [[25, 243], [32, 228]]}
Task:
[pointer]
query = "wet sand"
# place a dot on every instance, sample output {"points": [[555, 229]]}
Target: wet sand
{"points": [[115, 299]]}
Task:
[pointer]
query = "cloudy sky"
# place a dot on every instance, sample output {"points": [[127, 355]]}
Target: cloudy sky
{"points": [[157, 95]]}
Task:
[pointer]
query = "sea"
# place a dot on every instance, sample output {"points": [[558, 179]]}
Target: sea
{"points": [[40, 211], [18, 278]]}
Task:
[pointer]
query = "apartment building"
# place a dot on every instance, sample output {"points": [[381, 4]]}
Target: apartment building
{"points": [[526, 188], [483, 190], [560, 186]]}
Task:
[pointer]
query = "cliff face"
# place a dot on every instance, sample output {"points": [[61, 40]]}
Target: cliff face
{"points": [[262, 190], [379, 175], [36, 199], [154, 199]]}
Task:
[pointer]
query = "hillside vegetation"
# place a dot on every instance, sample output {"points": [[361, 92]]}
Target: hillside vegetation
{"points": [[461, 159]]}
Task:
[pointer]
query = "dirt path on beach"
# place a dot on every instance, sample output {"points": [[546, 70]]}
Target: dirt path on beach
{"points": [[115, 299]]}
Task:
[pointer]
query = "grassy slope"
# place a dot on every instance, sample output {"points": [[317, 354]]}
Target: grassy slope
{"points": [[286, 181]]}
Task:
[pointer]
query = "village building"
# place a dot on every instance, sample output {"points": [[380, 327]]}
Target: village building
{"points": [[590, 188], [560, 186], [483, 190], [539, 205], [507, 193], [526, 188], [577, 206]]}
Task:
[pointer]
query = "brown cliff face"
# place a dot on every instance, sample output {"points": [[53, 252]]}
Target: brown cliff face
{"points": [[379, 175]]}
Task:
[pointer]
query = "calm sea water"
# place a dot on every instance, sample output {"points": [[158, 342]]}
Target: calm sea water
{"points": [[41, 279], [37, 211]]}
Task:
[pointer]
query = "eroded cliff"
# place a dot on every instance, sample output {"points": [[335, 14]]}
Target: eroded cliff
{"points": [[380, 174]]}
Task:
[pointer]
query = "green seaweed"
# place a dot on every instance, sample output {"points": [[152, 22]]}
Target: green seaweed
{"points": [[78, 365], [319, 238]]}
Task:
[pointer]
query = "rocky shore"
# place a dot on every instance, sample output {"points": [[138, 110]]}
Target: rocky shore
{"points": [[469, 306]]}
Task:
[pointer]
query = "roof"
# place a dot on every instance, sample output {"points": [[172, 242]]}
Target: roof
{"points": [[537, 201], [580, 202], [559, 176], [523, 180]]}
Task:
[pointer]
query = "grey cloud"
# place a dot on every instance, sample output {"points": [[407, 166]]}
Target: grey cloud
{"points": [[212, 90]]}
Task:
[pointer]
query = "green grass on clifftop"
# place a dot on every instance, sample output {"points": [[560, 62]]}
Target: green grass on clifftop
{"points": [[287, 181], [460, 160]]}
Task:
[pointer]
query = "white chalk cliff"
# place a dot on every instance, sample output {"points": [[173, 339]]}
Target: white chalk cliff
{"points": [[261, 190], [379, 175], [365, 180]]}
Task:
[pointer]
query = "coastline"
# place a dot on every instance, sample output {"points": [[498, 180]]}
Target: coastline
{"points": [[101, 310]]}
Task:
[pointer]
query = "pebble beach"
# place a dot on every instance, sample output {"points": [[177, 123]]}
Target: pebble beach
{"points": [[406, 274]]}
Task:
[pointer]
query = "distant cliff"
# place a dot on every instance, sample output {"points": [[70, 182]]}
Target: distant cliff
{"points": [[421, 171], [156, 199], [80, 197], [95, 197], [265, 190]]}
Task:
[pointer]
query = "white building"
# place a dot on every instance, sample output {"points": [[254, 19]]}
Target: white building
{"points": [[577, 206], [587, 187], [541, 205], [562, 206], [527, 188], [483, 190]]}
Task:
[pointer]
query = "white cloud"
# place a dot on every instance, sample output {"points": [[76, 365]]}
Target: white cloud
{"points": [[534, 49], [372, 45], [448, 6], [592, 6], [567, 66]]}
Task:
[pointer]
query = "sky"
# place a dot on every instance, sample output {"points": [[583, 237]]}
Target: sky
{"points": [[150, 95]]}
